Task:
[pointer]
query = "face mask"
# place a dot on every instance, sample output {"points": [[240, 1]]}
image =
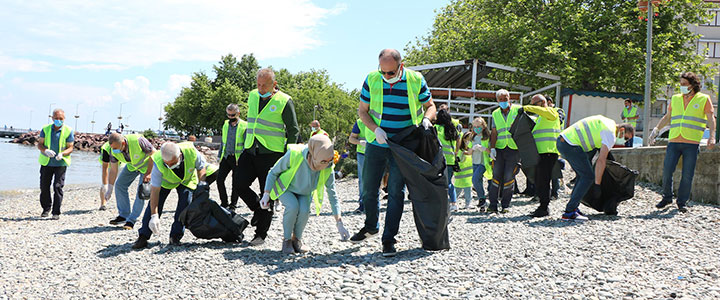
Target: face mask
{"points": [[117, 151], [268, 94], [58, 123], [394, 79], [176, 165], [313, 129], [477, 130], [620, 141], [504, 105], [684, 89]]}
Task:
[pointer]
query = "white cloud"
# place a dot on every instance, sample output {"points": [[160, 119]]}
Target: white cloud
{"points": [[97, 67], [140, 33], [177, 82], [8, 64]]}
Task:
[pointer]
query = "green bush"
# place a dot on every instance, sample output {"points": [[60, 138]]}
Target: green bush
{"points": [[149, 134]]}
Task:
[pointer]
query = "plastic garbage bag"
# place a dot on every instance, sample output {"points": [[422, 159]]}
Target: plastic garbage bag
{"points": [[206, 219], [521, 132], [144, 191], [618, 185]]}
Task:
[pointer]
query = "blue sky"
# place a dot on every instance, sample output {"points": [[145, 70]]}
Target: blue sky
{"points": [[94, 56]]}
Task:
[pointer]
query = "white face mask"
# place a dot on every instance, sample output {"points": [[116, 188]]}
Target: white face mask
{"points": [[620, 141], [176, 165], [395, 79], [684, 90]]}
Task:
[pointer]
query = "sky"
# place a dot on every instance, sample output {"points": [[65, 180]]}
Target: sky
{"points": [[102, 59]]}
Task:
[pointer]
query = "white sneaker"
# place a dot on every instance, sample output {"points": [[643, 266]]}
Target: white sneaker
{"points": [[467, 206], [257, 241], [453, 207]]}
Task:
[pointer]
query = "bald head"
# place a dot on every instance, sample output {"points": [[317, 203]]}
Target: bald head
{"points": [[391, 54], [538, 100]]}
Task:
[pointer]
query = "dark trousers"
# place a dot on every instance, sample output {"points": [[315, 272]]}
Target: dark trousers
{"points": [[503, 176], [377, 160], [543, 174], [177, 230], [46, 177], [251, 167], [227, 165]]}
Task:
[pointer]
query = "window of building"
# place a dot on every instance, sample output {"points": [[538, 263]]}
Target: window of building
{"points": [[714, 19], [709, 49]]}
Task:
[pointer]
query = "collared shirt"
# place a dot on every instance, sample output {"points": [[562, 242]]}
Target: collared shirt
{"points": [[55, 145], [156, 177], [229, 145], [145, 145]]}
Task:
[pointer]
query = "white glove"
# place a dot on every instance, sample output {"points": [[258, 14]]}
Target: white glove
{"points": [[653, 135], [344, 234], [363, 143], [493, 153], [426, 123], [380, 135], [154, 223], [59, 156], [109, 191], [478, 147], [265, 201], [103, 189], [50, 153]]}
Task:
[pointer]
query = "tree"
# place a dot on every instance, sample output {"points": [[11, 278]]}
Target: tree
{"points": [[591, 44], [241, 74], [183, 114]]}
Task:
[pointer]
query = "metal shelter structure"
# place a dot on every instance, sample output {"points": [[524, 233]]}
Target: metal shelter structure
{"points": [[455, 82]]}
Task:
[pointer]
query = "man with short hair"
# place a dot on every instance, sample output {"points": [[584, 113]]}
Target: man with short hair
{"points": [[233, 144], [629, 113], [55, 144], [315, 128], [545, 133], [504, 152]]}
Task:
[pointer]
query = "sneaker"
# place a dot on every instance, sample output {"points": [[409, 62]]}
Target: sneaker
{"points": [[663, 203], [467, 206], [175, 241], [128, 225], [573, 216], [453, 207], [57, 217], [358, 210], [45, 213], [140, 243], [481, 203], [535, 199], [491, 209], [117, 221], [298, 246], [554, 197], [287, 247], [540, 212], [504, 210], [682, 209], [257, 241], [232, 207], [362, 235], [389, 250], [103, 207]]}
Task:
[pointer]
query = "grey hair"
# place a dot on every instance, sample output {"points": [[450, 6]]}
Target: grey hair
{"points": [[392, 53], [501, 92], [58, 110], [115, 138], [232, 107], [266, 72], [169, 151]]}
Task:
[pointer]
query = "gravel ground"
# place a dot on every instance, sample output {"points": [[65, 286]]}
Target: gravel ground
{"points": [[642, 253]]}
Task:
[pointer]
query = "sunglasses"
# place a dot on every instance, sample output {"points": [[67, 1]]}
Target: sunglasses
{"points": [[325, 162], [231, 115], [391, 73]]}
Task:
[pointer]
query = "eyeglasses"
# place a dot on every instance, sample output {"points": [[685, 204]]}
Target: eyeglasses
{"points": [[231, 115], [391, 73], [325, 162]]}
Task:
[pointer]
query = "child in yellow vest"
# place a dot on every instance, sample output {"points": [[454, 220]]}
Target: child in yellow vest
{"points": [[463, 178]]}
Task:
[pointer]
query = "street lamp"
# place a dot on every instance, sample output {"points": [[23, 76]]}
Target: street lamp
{"points": [[77, 115], [162, 109], [30, 124], [50, 111], [120, 115], [93, 122]]}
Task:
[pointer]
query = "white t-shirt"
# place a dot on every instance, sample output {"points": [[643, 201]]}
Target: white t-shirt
{"points": [[607, 136]]}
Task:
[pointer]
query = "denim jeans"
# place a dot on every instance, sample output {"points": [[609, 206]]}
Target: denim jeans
{"points": [[580, 163], [503, 175], [477, 180], [376, 160], [360, 162], [122, 198], [452, 196], [689, 153], [467, 193], [177, 229], [295, 214]]}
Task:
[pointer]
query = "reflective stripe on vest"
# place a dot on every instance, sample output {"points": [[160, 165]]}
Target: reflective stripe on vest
{"points": [[486, 160], [283, 181], [586, 132], [546, 133], [169, 179], [463, 178], [361, 136], [502, 126], [266, 126], [62, 143], [631, 114], [138, 158], [239, 137], [375, 83], [688, 122]]}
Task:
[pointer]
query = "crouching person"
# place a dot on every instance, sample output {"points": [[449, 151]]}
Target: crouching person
{"points": [[300, 173], [179, 167]]}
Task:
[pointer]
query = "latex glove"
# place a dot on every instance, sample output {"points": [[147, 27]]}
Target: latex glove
{"points": [[426, 123], [109, 191], [711, 142], [59, 156], [344, 234], [478, 147], [653, 135], [50, 153], [154, 223], [363, 143], [380, 135], [493, 153], [265, 201], [596, 191], [103, 190]]}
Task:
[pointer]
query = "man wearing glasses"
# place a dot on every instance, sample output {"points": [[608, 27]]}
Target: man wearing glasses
{"points": [[233, 144], [392, 99]]}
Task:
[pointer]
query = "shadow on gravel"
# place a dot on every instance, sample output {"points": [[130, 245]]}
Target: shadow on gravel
{"points": [[120, 249], [493, 219], [556, 223], [4, 219], [192, 246], [94, 229], [287, 263], [657, 214], [79, 212]]}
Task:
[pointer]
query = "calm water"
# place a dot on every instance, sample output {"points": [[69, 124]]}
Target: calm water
{"points": [[21, 170]]}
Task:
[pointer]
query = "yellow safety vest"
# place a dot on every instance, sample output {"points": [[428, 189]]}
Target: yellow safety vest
{"points": [[463, 178], [266, 126], [586, 132], [688, 122], [361, 136], [630, 114], [448, 147], [138, 158], [546, 133], [283, 181], [239, 137], [210, 169], [375, 83], [170, 179], [502, 125], [486, 160], [105, 148], [65, 131]]}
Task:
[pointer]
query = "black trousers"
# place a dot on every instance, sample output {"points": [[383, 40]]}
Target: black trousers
{"points": [[46, 177], [543, 175], [251, 167], [227, 165]]}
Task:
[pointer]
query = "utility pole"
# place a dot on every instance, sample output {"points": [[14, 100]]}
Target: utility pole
{"points": [[648, 69], [93, 122], [50, 111], [77, 115]]}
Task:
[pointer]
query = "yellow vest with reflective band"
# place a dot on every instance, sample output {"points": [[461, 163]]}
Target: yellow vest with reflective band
{"points": [[283, 181], [486, 160], [65, 132], [546, 133], [502, 125], [586, 132], [210, 169], [169, 179], [375, 83], [320, 131], [105, 148], [630, 114], [448, 147], [463, 178], [138, 158], [688, 122], [266, 126], [239, 137], [361, 136]]}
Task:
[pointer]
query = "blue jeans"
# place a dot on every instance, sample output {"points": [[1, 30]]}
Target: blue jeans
{"points": [[360, 163], [295, 214], [580, 163], [468, 194], [122, 198], [689, 153], [452, 197], [376, 160], [177, 229], [477, 180]]}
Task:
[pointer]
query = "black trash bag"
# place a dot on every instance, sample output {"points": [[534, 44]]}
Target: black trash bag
{"points": [[521, 132], [618, 185], [206, 219], [144, 191], [418, 155]]}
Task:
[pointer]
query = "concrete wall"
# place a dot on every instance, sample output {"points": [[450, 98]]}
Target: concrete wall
{"points": [[649, 162]]}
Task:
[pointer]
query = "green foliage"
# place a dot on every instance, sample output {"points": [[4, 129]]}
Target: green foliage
{"points": [[591, 44], [149, 134]]}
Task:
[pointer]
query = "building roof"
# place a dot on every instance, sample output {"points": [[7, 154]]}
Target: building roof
{"points": [[632, 96]]}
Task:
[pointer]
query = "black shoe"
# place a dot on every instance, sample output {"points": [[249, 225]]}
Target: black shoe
{"points": [[504, 210], [663, 203], [491, 209], [481, 203], [140, 243], [389, 250], [128, 225], [175, 241], [224, 205], [117, 221], [45, 213], [540, 212], [362, 235], [682, 209], [232, 207]]}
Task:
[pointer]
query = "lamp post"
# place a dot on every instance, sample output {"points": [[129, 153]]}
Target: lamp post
{"points": [[50, 111], [30, 124], [93, 122], [648, 69], [160, 117], [120, 114], [77, 115]]}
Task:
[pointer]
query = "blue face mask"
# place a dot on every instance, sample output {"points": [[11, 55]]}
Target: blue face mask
{"points": [[477, 130], [504, 105], [58, 123], [117, 151], [265, 95]]}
